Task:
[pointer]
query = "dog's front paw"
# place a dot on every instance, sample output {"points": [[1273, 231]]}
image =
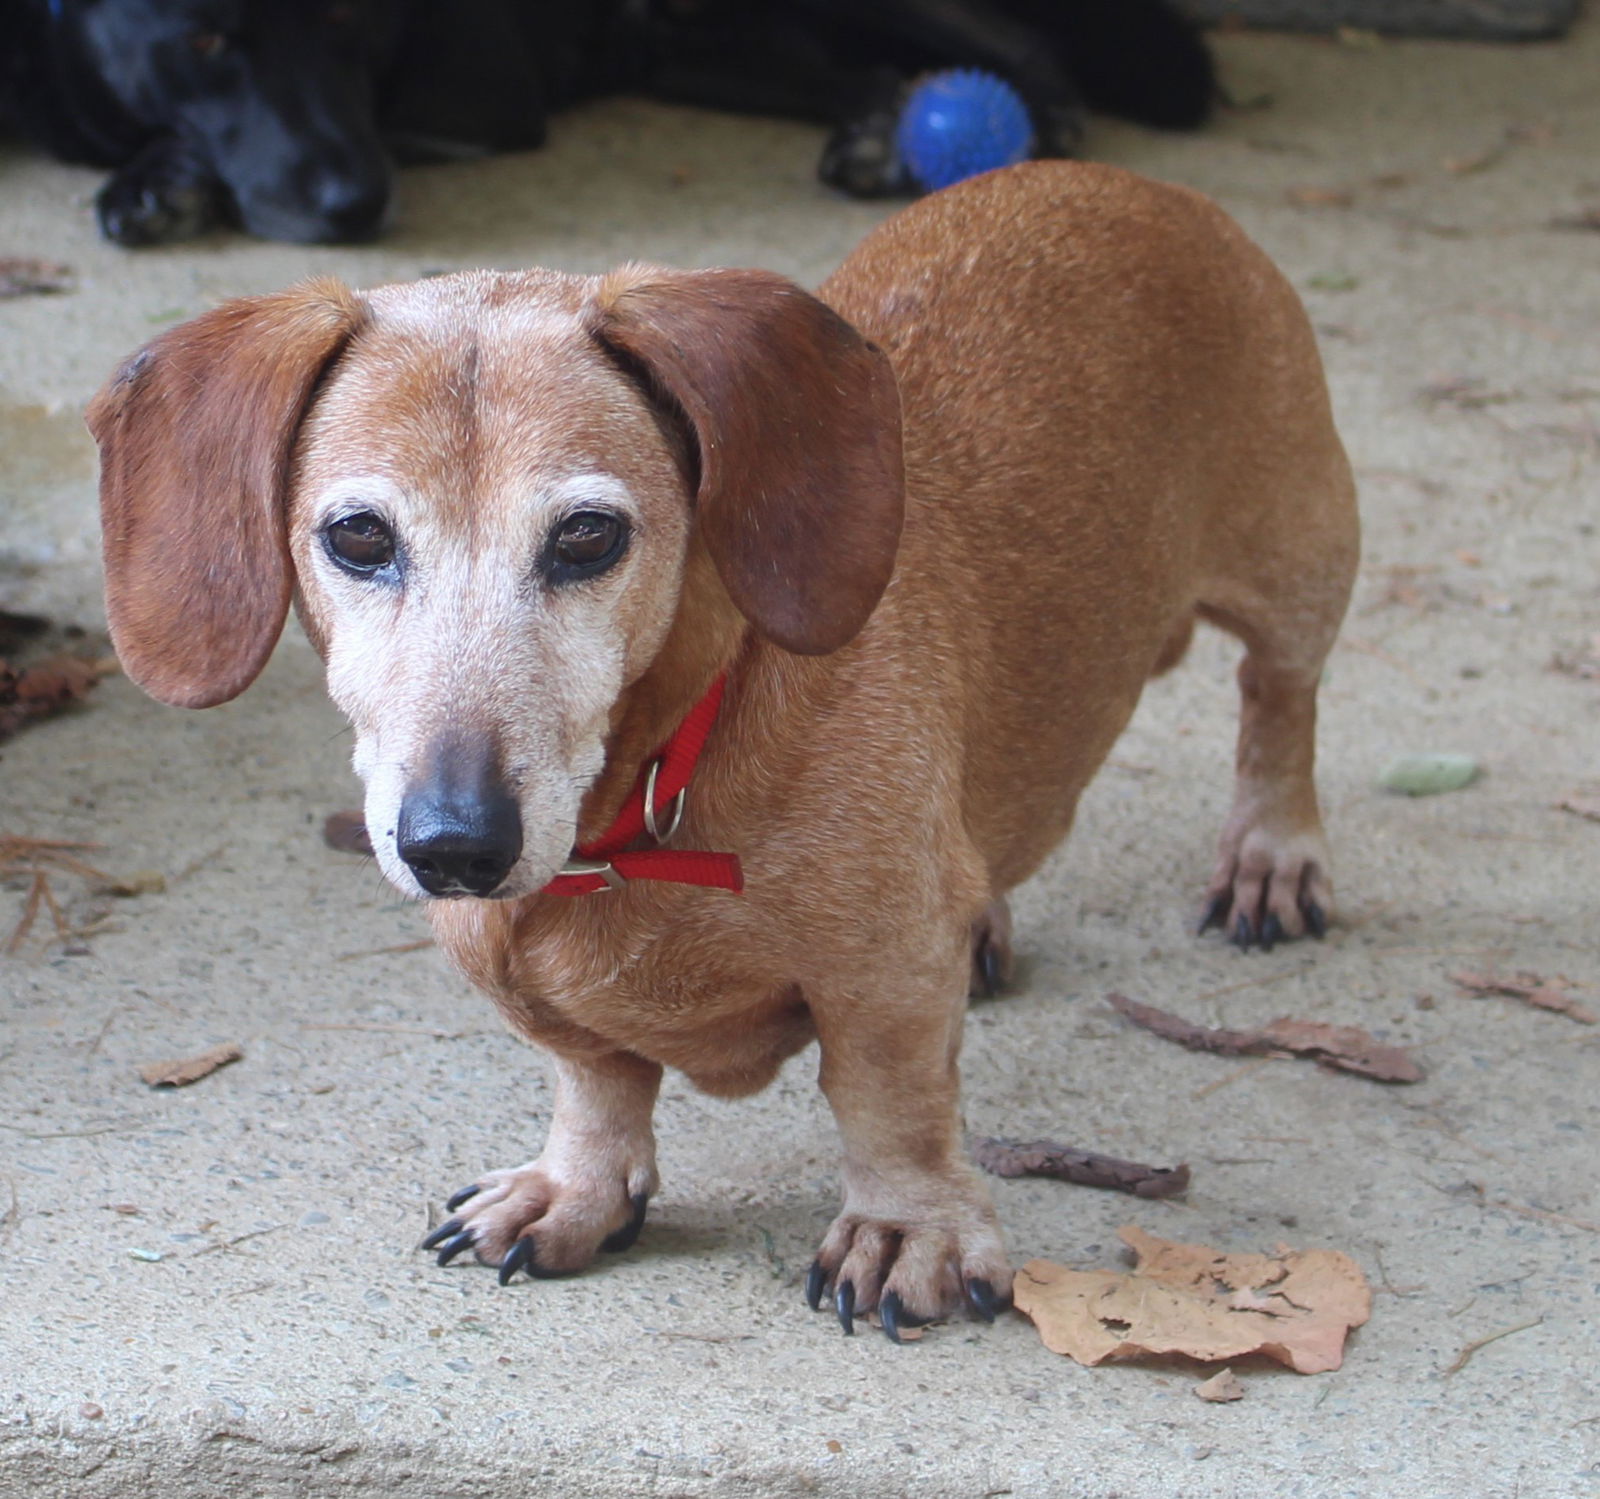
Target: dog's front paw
{"points": [[1268, 888], [533, 1220], [910, 1269], [160, 196]]}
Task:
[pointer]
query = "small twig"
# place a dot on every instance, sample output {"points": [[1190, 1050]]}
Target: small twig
{"points": [[704, 1337], [1082, 1167], [1231, 1078], [240, 1239], [56, 916], [69, 1134], [1544, 1214], [402, 1030], [101, 1034], [1256, 983], [1465, 1356], [1367, 648], [30, 913], [379, 952]]}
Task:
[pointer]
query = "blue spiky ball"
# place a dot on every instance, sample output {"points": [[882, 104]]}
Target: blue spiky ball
{"points": [[961, 122]]}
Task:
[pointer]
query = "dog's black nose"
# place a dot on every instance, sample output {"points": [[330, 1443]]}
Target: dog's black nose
{"points": [[460, 830]]}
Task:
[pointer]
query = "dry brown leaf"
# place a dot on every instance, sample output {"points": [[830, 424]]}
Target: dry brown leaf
{"points": [[1178, 1300], [1542, 994], [1223, 1385], [1345, 1047], [46, 688], [23, 275], [179, 1072]]}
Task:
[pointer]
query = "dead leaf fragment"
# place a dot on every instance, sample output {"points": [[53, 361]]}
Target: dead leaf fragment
{"points": [[1347, 1048], [1223, 1385], [1582, 806], [51, 685], [179, 1072], [1178, 1300], [1542, 994], [24, 275], [140, 882]]}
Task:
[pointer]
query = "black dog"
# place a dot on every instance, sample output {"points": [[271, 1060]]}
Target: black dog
{"points": [[285, 115]]}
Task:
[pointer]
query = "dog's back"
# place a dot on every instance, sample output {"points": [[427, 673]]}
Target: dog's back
{"points": [[1115, 418]]}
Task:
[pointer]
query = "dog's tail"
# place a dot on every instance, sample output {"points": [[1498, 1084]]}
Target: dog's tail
{"points": [[1141, 59]]}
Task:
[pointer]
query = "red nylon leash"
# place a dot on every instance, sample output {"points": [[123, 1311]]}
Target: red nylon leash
{"points": [[653, 810]]}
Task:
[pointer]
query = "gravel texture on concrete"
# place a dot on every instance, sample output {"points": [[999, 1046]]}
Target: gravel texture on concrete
{"points": [[217, 1291]]}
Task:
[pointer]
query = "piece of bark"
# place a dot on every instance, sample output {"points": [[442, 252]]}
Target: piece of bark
{"points": [[347, 832], [1347, 1048], [1582, 806], [1187, 1299], [1084, 1168], [1542, 994], [1222, 1386], [179, 1072]]}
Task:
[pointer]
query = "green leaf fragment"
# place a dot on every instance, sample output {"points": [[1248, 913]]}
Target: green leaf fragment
{"points": [[1427, 775]]}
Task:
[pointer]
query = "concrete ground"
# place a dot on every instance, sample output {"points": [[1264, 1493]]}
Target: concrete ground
{"points": [[216, 1291]]}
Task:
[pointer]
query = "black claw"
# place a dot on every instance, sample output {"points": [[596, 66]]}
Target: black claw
{"points": [[982, 1299], [466, 1194], [1316, 919], [890, 1313], [627, 1236], [1215, 913], [844, 1304], [1243, 934], [456, 1246], [990, 979], [446, 1230], [518, 1257], [816, 1284], [1271, 932]]}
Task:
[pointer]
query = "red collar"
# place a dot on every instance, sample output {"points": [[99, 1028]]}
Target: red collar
{"points": [[653, 810]]}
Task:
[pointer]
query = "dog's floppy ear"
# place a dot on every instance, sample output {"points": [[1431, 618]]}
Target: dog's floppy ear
{"points": [[795, 420], [195, 433]]}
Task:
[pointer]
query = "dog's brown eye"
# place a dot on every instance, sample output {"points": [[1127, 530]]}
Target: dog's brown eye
{"points": [[585, 544], [209, 44], [360, 542]]}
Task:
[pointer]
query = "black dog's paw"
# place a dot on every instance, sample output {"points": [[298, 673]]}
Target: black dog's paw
{"points": [[162, 195], [135, 213]]}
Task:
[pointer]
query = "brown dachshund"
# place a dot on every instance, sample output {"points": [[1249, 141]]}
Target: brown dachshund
{"points": [[842, 598]]}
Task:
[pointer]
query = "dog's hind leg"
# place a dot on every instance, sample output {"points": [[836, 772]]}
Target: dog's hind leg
{"points": [[993, 963], [1284, 596]]}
